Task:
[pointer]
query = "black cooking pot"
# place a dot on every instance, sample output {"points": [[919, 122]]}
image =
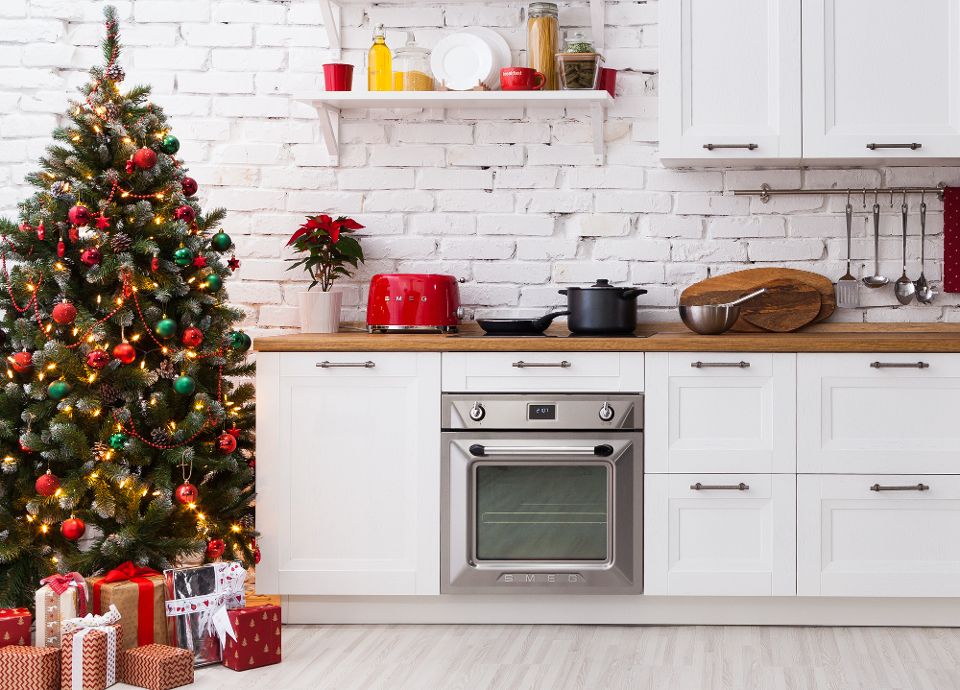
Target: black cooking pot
{"points": [[602, 309]]}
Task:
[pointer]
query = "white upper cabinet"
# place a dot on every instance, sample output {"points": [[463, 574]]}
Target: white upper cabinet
{"points": [[729, 80]]}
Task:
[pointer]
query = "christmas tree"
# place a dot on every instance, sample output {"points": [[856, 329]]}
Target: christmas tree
{"points": [[119, 417]]}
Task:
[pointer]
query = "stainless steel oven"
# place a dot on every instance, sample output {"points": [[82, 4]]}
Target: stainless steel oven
{"points": [[542, 493]]}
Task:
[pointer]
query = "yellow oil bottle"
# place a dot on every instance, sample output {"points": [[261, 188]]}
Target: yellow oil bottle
{"points": [[379, 63]]}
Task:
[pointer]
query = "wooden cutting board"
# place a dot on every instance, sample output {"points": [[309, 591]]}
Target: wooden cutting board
{"points": [[787, 305]]}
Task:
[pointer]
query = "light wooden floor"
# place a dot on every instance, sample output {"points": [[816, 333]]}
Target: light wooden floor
{"points": [[546, 657]]}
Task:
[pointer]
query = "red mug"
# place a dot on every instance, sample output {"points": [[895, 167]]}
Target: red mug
{"points": [[338, 76], [521, 79], [607, 81]]}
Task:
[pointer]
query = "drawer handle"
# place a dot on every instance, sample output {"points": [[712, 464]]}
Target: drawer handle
{"points": [[711, 147], [720, 487], [346, 365], [913, 147], [909, 487], [720, 365], [899, 365], [542, 365], [604, 450]]}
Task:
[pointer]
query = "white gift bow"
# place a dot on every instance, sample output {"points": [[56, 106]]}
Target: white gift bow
{"points": [[84, 626]]}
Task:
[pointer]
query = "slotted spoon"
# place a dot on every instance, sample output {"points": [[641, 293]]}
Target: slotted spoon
{"points": [[847, 295]]}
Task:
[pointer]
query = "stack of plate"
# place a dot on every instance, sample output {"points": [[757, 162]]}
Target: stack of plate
{"points": [[464, 59]]}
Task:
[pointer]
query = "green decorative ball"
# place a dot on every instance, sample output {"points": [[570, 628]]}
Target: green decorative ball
{"points": [[166, 328], [240, 341], [58, 389], [170, 144], [183, 257], [118, 441], [184, 385], [221, 242], [214, 282]]}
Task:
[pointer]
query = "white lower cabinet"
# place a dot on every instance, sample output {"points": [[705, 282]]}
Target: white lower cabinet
{"points": [[878, 535], [720, 535]]}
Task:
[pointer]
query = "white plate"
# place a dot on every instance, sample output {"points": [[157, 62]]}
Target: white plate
{"points": [[501, 52], [461, 60]]}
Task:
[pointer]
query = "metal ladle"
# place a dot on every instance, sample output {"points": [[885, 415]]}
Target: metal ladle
{"points": [[876, 280], [925, 293], [904, 288]]}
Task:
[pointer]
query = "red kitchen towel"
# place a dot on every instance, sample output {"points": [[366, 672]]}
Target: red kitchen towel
{"points": [[951, 239]]}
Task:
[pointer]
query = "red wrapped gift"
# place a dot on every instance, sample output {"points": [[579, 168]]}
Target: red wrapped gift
{"points": [[156, 667], [15, 627], [88, 651], [138, 594], [29, 668], [258, 638]]}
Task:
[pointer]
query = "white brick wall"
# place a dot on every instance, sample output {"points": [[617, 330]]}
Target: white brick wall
{"points": [[510, 202]]}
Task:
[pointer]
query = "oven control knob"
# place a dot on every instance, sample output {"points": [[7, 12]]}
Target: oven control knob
{"points": [[606, 412], [477, 412]]}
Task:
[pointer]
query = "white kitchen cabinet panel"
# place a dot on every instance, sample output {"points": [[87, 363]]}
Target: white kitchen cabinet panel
{"points": [[878, 536], [729, 80], [492, 372], [348, 473], [881, 79], [720, 535], [720, 412], [878, 413]]}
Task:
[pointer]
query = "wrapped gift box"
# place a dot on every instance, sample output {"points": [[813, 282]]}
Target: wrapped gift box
{"points": [[138, 593], [156, 667], [15, 627], [60, 597], [88, 651], [258, 638], [29, 668]]}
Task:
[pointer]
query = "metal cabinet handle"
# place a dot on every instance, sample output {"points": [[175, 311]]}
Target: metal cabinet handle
{"points": [[899, 365], [346, 365], [711, 147], [909, 487], [543, 365], [604, 450], [913, 147], [719, 365], [720, 487]]}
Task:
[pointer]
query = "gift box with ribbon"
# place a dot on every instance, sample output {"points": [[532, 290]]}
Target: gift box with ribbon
{"points": [[15, 627], [138, 594], [60, 597], [29, 668], [258, 638], [156, 667], [88, 651], [198, 599]]}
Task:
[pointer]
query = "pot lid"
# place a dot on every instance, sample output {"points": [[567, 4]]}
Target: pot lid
{"points": [[604, 284]]}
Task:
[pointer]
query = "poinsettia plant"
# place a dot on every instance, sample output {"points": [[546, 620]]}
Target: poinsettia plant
{"points": [[329, 248]]}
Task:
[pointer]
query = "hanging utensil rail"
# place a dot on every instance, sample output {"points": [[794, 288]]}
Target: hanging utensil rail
{"points": [[766, 191]]}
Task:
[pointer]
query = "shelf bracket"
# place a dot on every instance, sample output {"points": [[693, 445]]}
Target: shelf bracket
{"points": [[330, 129], [597, 117], [331, 23]]}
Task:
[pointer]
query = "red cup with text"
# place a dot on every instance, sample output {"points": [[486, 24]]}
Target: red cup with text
{"points": [[338, 76], [607, 81], [521, 79]]}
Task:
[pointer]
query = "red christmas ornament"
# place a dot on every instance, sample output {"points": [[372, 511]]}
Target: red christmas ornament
{"points": [[98, 359], [47, 484], [125, 352], [79, 215], [155, 264], [185, 213], [189, 186], [226, 443], [129, 166], [25, 448], [192, 337], [41, 232], [25, 227], [215, 549], [186, 493], [22, 362], [64, 313], [233, 263], [235, 432], [252, 463], [91, 256], [73, 234], [61, 248], [256, 552], [145, 158], [102, 222], [73, 528], [200, 262]]}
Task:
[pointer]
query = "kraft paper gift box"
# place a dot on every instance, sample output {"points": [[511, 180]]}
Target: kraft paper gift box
{"points": [[138, 594], [258, 638], [29, 668], [89, 647], [15, 627], [60, 597], [156, 667]]}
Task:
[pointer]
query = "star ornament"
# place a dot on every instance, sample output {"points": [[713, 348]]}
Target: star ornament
{"points": [[233, 263], [102, 222], [200, 262]]}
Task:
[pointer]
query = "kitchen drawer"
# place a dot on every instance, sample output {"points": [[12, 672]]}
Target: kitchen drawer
{"points": [[878, 413], [855, 541], [721, 412], [333, 364], [728, 541], [543, 371]]}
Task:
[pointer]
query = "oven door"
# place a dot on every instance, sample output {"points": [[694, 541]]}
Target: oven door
{"points": [[541, 513]]}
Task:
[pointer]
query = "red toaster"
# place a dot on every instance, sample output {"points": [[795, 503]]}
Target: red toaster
{"points": [[413, 303]]}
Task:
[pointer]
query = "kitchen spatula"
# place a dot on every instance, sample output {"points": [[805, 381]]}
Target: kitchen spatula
{"points": [[847, 296]]}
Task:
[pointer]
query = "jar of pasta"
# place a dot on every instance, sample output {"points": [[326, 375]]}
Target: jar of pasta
{"points": [[411, 67], [543, 38]]}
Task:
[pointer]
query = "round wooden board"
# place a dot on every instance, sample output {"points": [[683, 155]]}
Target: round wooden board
{"points": [[787, 305]]}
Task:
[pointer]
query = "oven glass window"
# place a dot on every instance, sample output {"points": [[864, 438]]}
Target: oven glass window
{"points": [[545, 512]]}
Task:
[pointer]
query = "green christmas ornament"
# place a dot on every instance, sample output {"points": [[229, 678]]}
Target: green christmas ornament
{"points": [[118, 441], [170, 144], [183, 257], [184, 385], [166, 328], [214, 282], [221, 242], [58, 389], [240, 341]]}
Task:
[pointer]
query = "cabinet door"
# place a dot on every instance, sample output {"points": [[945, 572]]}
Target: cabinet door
{"points": [[720, 534], [884, 73], [878, 413], [492, 372], [720, 412], [348, 473], [729, 77], [898, 541]]}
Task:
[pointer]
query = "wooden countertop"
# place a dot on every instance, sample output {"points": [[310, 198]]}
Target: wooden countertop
{"points": [[826, 337]]}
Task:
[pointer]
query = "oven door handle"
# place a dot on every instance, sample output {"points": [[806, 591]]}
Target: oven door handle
{"points": [[604, 450]]}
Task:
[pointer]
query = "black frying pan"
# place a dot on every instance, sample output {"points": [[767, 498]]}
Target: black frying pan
{"points": [[519, 326]]}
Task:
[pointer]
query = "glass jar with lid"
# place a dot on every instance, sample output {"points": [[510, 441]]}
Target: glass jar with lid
{"points": [[411, 67], [543, 39], [578, 66]]}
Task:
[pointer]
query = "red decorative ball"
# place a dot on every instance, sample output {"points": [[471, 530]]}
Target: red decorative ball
{"points": [[73, 528], [185, 213], [22, 362], [91, 256], [98, 359], [186, 493], [189, 186], [192, 337], [145, 158], [64, 313], [47, 484], [215, 549], [125, 352], [79, 215], [226, 443]]}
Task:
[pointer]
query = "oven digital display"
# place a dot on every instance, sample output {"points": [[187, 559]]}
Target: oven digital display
{"points": [[541, 411]]}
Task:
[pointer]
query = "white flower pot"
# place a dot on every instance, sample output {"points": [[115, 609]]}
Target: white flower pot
{"points": [[320, 311]]}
